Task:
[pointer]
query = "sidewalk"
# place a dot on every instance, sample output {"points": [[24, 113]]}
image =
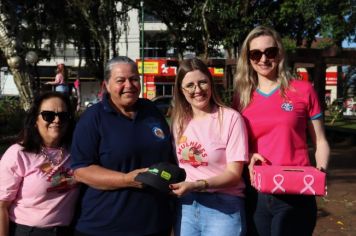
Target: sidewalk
{"points": [[337, 211]]}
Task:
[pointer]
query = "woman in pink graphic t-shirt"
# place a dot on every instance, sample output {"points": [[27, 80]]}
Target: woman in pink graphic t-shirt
{"points": [[38, 191], [211, 145]]}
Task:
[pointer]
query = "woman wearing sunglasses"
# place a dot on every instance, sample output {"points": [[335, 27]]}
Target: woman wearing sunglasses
{"points": [[211, 145], [37, 187], [278, 110]]}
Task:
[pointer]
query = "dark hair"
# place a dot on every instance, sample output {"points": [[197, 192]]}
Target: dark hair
{"points": [[118, 60], [30, 138]]}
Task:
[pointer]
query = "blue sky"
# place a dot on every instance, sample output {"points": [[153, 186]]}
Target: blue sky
{"points": [[345, 44]]}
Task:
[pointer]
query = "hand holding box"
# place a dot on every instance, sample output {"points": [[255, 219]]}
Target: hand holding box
{"points": [[304, 180]]}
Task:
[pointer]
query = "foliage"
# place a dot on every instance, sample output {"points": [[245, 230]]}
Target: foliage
{"points": [[47, 26], [11, 116], [227, 96], [336, 112], [201, 26], [339, 24], [99, 26], [289, 44]]}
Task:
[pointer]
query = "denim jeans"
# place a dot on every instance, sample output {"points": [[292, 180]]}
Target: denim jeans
{"points": [[278, 215], [210, 214], [62, 88]]}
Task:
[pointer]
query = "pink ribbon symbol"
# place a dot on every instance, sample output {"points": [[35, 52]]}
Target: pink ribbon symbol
{"points": [[278, 183], [259, 180], [308, 182]]}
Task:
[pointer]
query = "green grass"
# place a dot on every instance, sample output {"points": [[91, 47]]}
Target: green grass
{"points": [[341, 123]]}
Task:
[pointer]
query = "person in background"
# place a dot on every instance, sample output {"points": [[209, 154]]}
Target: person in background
{"points": [[211, 145], [77, 95], [59, 80], [116, 139], [278, 110], [37, 188]]}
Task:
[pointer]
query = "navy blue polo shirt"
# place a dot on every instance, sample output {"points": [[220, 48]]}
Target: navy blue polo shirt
{"points": [[107, 138]]}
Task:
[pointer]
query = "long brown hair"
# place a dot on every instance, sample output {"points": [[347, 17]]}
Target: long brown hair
{"points": [[246, 78], [182, 111]]}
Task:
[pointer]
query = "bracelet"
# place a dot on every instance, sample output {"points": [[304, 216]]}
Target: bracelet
{"points": [[205, 182]]}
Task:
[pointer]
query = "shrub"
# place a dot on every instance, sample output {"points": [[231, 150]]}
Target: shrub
{"points": [[11, 116]]}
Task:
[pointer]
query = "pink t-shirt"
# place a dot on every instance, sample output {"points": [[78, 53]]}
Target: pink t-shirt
{"points": [[208, 144], [277, 126], [41, 196], [59, 79]]}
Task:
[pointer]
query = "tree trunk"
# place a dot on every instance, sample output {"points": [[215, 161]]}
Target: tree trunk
{"points": [[23, 84], [21, 77], [206, 38]]}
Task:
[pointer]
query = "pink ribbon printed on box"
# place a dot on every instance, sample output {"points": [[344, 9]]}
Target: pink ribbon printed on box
{"points": [[304, 180]]}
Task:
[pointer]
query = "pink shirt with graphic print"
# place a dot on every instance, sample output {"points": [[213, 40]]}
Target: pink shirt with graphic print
{"points": [[39, 195], [208, 144]]}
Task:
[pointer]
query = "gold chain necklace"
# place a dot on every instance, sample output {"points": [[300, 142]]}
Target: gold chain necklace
{"points": [[54, 161]]}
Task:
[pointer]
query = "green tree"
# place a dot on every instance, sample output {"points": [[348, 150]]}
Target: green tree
{"points": [[93, 27], [31, 25], [100, 25]]}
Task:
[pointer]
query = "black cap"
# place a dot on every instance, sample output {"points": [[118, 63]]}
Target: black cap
{"points": [[161, 175]]}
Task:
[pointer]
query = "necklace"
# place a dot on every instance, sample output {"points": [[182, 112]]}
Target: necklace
{"points": [[54, 159]]}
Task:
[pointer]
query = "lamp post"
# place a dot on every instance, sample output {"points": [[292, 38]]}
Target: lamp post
{"points": [[142, 48], [31, 59]]}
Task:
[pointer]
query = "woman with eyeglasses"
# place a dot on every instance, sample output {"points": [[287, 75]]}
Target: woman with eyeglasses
{"points": [[114, 141], [37, 188], [211, 145], [278, 111]]}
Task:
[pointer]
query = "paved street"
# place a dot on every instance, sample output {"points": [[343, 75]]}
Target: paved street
{"points": [[337, 211]]}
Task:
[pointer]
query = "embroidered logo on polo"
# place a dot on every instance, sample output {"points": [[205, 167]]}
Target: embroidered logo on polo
{"points": [[191, 152], [287, 106], [158, 132]]}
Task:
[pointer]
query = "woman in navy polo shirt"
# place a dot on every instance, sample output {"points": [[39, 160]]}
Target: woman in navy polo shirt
{"points": [[115, 140]]}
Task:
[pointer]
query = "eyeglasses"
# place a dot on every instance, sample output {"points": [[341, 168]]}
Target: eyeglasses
{"points": [[191, 87], [49, 116], [270, 53]]}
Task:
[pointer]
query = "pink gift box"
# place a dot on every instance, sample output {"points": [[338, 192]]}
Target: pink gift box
{"points": [[305, 180]]}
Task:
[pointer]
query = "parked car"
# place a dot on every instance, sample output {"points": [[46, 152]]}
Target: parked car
{"points": [[91, 101], [163, 103]]}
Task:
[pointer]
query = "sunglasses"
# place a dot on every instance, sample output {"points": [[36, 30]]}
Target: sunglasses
{"points": [[49, 116], [270, 53]]}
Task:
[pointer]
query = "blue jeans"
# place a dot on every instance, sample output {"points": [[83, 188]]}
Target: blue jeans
{"points": [[62, 88], [278, 215], [210, 214]]}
